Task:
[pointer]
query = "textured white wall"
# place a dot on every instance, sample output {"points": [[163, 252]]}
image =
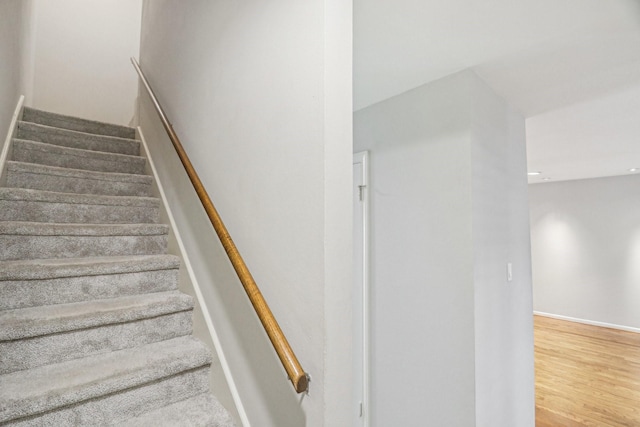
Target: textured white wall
{"points": [[585, 239], [80, 57], [11, 60], [263, 108], [452, 341]]}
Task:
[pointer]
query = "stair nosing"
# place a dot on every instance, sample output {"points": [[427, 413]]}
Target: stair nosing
{"points": [[19, 167], [29, 322], [78, 152], [46, 196], [25, 228], [128, 129], [52, 268], [96, 375], [80, 133]]}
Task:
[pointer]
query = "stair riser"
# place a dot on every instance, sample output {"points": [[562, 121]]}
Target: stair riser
{"points": [[23, 153], [118, 407], [15, 247], [35, 211], [203, 410], [32, 293], [84, 141], [66, 184], [28, 353], [77, 124]]}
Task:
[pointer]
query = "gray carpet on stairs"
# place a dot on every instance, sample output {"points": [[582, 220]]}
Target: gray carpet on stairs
{"points": [[67, 180], [74, 139], [18, 204], [73, 123], [76, 158], [93, 330]]}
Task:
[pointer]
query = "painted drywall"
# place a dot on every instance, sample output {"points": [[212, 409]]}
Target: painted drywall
{"points": [[11, 60], [422, 355], [27, 46], [585, 241], [263, 108], [338, 224], [440, 157], [503, 309], [80, 52]]}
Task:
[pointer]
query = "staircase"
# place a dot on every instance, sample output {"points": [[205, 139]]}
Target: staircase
{"points": [[93, 330]]}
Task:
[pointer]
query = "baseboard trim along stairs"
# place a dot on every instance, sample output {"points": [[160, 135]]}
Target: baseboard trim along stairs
{"points": [[93, 328]]}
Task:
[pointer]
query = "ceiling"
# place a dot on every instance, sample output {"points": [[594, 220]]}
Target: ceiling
{"points": [[571, 67]]}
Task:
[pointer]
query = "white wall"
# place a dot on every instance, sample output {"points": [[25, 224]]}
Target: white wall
{"points": [[11, 59], [585, 237], [503, 309], [263, 107], [80, 52], [422, 271], [436, 155]]}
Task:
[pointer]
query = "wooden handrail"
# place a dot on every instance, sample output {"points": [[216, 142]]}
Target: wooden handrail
{"points": [[288, 358]]}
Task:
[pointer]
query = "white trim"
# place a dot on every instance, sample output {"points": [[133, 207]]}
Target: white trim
{"points": [[588, 322], [363, 158], [13, 128], [205, 312]]}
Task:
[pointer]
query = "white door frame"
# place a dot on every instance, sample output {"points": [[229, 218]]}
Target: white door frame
{"points": [[363, 294]]}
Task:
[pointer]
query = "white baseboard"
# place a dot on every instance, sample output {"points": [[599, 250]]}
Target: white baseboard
{"points": [[588, 322], [11, 133]]}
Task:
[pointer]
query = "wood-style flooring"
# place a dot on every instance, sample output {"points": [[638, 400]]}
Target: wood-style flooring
{"points": [[586, 375]]}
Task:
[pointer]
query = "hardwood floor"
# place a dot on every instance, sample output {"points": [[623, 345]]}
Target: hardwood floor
{"points": [[586, 375]]}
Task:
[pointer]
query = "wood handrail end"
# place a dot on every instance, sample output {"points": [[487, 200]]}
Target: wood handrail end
{"points": [[301, 384]]}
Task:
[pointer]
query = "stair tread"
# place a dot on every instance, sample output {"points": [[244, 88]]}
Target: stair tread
{"points": [[77, 152], [35, 269], [55, 155], [77, 173], [75, 123], [40, 389], [44, 320], [23, 194], [202, 410], [57, 229], [89, 309], [71, 138]]}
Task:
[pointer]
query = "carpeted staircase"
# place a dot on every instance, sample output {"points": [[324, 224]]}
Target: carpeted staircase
{"points": [[93, 330]]}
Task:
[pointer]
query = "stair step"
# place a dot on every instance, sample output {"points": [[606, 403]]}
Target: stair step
{"points": [[29, 283], [93, 330], [28, 353], [66, 180], [84, 381], [18, 204], [76, 158], [77, 124], [52, 319], [35, 336], [34, 240], [113, 409], [200, 411], [75, 139]]}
